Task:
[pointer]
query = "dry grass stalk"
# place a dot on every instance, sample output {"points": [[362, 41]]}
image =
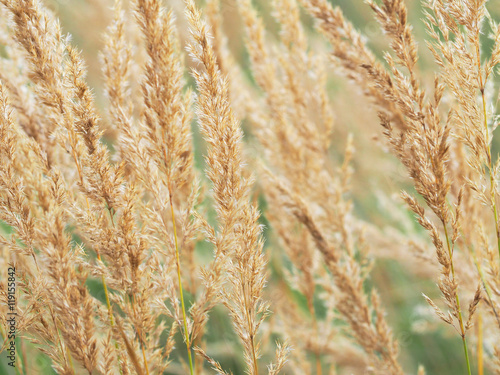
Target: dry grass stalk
{"points": [[239, 232]]}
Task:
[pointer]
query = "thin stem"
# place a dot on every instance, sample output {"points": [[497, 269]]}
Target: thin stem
{"points": [[485, 286], [140, 333], [144, 358], [472, 251], [480, 364], [464, 341], [18, 372], [178, 262], [98, 253], [110, 313], [488, 150], [106, 293], [4, 337], [250, 330], [460, 319]]}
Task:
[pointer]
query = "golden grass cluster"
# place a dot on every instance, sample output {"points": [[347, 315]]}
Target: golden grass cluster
{"points": [[125, 248]]}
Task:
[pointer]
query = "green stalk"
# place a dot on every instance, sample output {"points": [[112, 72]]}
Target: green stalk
{"points": [[472, 251], [178, 262], [485, 285]]}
